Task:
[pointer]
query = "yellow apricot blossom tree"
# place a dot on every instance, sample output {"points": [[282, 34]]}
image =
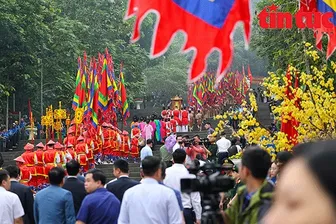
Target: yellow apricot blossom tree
{"points": [[312, 104]]}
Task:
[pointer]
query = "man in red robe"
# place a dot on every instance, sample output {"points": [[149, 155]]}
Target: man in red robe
{"points": [[173, 125], [184, 120], [125, 145], [91, 147], [30, 159], [40, 170], [164, 113], [177, 118], [71, 138], [71, 153], [51, 157], [24, 171], [59, 147], [82, 150]]}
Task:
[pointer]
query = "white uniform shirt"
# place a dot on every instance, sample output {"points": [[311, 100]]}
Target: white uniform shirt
{"points": [[152, 203], [10, 207], [173, 178], [223, 144]]}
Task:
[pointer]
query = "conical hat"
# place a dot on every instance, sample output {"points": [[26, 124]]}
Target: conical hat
{"points": [[19, 159], [51, 142], [105, 124], [58, 145], [40, 145], [69, 145], [80, 138], [28, 146]]}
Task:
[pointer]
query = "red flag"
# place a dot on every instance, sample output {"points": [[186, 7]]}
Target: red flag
{"points": [[30, 113], [207, 24], [289, 127], [307, 5], [323, 7]]}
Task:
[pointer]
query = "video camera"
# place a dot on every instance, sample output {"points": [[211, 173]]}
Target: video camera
{"points": [[211, 182], [191, 141]]}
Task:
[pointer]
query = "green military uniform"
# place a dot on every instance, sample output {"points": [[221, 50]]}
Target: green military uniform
{"points": [[213, 149], [233, 191], [259, 204]]}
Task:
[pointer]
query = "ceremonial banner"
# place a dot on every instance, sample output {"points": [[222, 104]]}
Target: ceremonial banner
{"points": [[322, 7], [208, 25]]}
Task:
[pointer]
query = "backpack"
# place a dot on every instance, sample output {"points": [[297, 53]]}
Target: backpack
{"points": [[232, 150]]}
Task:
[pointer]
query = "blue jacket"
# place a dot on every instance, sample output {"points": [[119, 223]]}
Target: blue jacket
{"points": [[54, 204]]}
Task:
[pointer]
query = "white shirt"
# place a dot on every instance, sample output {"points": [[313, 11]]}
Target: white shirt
{"points": [[177, 146], [10, 207], [173, 178], [152, 203], [146, 151], [239, 149], [223, 144]]}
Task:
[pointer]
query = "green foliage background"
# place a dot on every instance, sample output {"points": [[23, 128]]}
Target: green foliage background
{"points": [[46, 37]]}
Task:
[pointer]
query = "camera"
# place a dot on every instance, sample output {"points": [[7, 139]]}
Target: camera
{"points": [[191, 141], [211, 182]]}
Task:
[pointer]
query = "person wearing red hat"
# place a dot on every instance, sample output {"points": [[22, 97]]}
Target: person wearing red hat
{"points": [[164, 112], [135, 131], [25, 172], [107, 143], [134, 146], [50, 145], [29, 156], [116, 143], [51, 157], [40, 170], [71, 138], [177, 118], [90, 143], [173, 124], [125, 145], [59, 147], [163, 129], [184, 120], [82, 151], [70, 153]]}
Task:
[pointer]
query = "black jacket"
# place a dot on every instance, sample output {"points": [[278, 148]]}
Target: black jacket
{"points": [[119, 186], [76, 187], [27, 200]]}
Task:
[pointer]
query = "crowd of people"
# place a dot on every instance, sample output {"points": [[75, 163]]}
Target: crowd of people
{"points": [[210, 149], [256, 197], [79, 145]]}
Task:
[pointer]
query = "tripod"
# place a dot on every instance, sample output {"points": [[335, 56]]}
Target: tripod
{"points": [[211, 213]]}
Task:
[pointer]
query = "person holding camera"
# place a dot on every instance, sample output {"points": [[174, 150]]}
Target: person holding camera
{"points": [[253, 200], [197, 148]]}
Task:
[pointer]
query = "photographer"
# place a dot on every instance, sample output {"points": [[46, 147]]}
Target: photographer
{"points": [[254, 199], [195, 148]]}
